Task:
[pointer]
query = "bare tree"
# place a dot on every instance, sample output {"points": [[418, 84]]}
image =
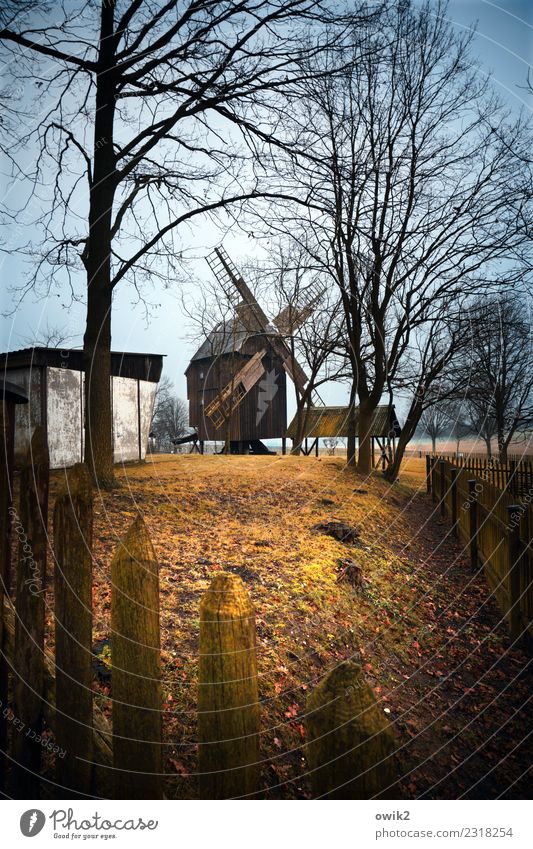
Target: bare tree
{"points": [[170, 417], [50, 336], [418, 197], [434, 422], [499, 367], [145, 104]]}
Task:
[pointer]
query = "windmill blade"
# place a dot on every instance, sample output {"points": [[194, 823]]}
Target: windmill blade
{"points": [[295, 372], [248, 318], [228, 276], [293, 316], [227, 401]]}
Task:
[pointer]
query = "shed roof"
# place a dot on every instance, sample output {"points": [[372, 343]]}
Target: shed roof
{"points": [[333, 421], [123, 363]]}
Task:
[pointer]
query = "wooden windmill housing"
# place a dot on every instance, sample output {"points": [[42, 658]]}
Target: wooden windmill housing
{"points": [[237, 379]]}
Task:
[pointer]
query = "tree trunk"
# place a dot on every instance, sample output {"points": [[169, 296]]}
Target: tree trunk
{"points": [[97, 363], [97, 259], [350, 442], [408, 431], [364, 461], [434, 444]]}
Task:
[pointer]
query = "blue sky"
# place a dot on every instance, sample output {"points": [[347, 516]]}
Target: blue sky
{"points": [[504, 43]]}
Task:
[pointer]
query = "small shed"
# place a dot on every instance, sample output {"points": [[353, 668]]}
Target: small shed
{"points": [[53, 381], [332, 422]]}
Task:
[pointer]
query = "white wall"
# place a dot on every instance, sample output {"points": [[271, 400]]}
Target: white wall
{"points": [[64, 416], [64, 411]]}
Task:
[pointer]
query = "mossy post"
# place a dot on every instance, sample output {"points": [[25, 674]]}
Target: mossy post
{"points": [[73, 532], [228, 703], [30, 526], [350, 744], [136, 668]]}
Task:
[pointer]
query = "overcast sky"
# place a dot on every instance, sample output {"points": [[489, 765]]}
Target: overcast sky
{"points": [[504, 43]]}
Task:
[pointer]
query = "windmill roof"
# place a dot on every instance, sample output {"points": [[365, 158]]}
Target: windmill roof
{"points": [[333, 421], [228, 337]]}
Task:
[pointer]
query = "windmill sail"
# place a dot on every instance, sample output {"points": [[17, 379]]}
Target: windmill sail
{"points": [[228, 276], [294, 315], [223, 406], [252, 316]]}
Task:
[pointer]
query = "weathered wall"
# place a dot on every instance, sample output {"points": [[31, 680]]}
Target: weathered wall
{"points": [[64, 416], [27, 416], [147, 395], [63, 412], [125, 420]]}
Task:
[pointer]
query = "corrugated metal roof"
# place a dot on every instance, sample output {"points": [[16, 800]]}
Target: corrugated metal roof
{"points": [[333, 421]]}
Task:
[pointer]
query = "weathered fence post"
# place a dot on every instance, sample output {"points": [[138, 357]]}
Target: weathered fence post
{"points": [[433, 479], [428, 473], [473, 522], [453, 486], [514, 552], [228, 703], [136, 661], [442, 470], [513, 489], [73, 530], [350, 745], [30, 526]]}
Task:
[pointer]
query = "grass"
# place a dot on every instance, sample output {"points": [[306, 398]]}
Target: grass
{"points": [[416, 623]]}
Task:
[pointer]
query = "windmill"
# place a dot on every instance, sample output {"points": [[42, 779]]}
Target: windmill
{"points": [[236, 381]]}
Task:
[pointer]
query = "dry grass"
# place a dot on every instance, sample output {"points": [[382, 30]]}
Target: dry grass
{"points": [[254, 516]]}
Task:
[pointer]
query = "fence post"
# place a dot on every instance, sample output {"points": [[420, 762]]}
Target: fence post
{"points": [[31, 528], [73, 530], [473, 521], [433, 479], [442, 470], [228, 704], [428, 473], [349, 741], [512, 478], [514, 551], [136, 675], [453, 486]]}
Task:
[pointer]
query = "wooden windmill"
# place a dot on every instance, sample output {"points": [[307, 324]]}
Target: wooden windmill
{"points": [[236, 381]]}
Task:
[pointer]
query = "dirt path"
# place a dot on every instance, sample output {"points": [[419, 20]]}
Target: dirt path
{"points": [[463, 708]]}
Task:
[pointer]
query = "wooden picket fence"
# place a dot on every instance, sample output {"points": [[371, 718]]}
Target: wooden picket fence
{"points": [[52, 707], [515, 475], [496, 523]]}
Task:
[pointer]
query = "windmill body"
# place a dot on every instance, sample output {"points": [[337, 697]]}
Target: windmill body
{"points": [[237, 379]]}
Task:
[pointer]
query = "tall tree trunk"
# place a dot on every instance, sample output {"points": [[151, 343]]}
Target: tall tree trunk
{"points": [[408, 431], [434, 444], [97, 259], [366, 412], [350, 442]]}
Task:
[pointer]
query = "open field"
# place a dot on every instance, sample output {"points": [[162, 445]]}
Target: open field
{"points": [[428, 636]]}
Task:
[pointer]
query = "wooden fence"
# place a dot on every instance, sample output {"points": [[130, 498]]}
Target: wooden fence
{"points": [[496, 524], [56, 740], [515, 475]]}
